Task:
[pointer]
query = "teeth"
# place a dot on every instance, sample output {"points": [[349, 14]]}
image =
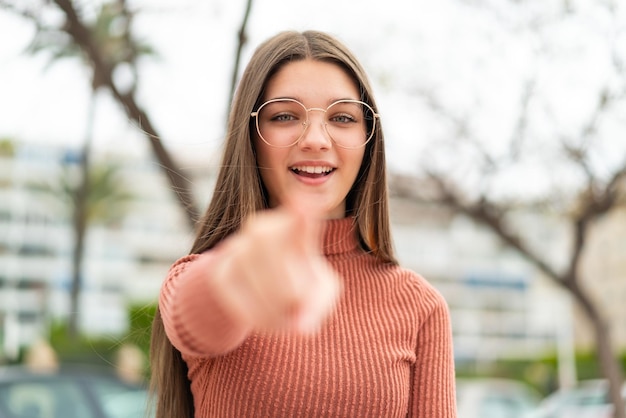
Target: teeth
{"points": [[313, 169]]}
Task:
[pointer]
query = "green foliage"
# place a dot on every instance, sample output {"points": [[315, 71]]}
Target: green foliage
{"points": [[7, 147], [107, 196], [84, 350], [103, 350], [141, 326], [111, 33], [541, 373]]}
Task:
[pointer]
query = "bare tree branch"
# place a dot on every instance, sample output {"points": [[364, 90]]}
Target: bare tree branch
{"points": [[491, 216], [519, 132], [81, 35], [242, 40], [599, 197]]}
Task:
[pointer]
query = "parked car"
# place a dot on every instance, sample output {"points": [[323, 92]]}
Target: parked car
{"points": [[495, 398], [588, 399], [84, 392]]}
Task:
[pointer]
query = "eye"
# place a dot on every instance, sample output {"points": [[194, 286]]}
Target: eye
{"points": [[284, 117], [282, 111], [342, 118]]}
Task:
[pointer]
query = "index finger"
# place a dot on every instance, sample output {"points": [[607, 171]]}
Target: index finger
{"points": [[308, 215]]}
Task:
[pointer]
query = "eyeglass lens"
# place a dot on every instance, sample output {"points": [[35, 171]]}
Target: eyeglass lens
{"points": [[281, 123]]}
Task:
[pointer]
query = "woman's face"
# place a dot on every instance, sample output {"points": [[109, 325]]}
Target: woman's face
{"points": [[315, 174]]}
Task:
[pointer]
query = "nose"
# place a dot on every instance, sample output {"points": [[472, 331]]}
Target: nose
{"points": [[315, 135]]}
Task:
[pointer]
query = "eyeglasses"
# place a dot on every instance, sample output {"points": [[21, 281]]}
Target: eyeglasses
{"points": [[282, 123]]}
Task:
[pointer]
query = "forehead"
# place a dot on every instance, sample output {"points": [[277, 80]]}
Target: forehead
{"points": [[312, 82]]}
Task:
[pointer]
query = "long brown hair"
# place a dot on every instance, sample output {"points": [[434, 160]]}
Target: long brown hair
{"points": [[239, 191]]}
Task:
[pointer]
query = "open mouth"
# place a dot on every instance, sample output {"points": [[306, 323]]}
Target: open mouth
{"points": [[312, 171]]}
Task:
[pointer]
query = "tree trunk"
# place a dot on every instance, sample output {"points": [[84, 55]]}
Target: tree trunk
{"points": [[179, 183], [82, 37], [610, 366], [81, 194], [484, 214]]}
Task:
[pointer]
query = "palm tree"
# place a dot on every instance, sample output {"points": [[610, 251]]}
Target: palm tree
{"points": [[111, 34], [104, 202], [80, 33], [107, 198]]}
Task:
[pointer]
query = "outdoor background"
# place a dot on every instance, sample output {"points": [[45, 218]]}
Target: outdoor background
{"points": [[505, 130]]}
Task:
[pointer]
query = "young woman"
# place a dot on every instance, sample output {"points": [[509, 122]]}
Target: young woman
{"points": [[291, 303]]}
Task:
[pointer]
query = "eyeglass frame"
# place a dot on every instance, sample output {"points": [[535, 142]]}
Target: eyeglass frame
{"points": [[306, 124]]}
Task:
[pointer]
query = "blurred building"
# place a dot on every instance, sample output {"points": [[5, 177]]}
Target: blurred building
{"points": [[501, 306], [604, 271], [124, 262]]}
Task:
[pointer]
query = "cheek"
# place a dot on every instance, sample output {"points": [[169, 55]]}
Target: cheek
{"points": [[267, 158], [356, 161]]}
